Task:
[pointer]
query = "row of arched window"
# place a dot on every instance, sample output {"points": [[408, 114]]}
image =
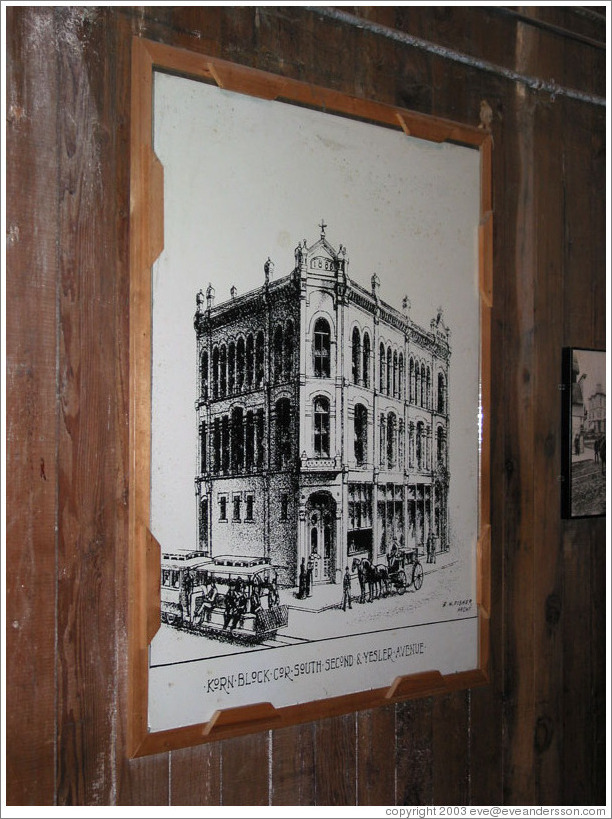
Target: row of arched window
{"points": [[238, 365], [237, 439], [392, 444], [420, 387], [391, 374], [237, 442]]}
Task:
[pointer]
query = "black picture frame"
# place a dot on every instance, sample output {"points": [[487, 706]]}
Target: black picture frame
{"points": [[583, 483]]}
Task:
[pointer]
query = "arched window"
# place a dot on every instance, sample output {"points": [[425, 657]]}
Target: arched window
{"points": [[215, 372], [391, 440], [419, 445], [217, 445], [382, 360], [411, 445], [283, 432], [204, 375], [223, 371], [259, 359], [366, 360], [240, 368], [289, 351], [389, 372], [441, 393], [250, 362], [361, 434], [250, 441], [356, 342], [428, 389], [440, 446], [203, 466], [225, 444], [417, 383], [382, 439], [395, 376], [278, 353], [400, 377], [322, 345], [203, 523], [259, 438], [321, 426], [401, 456], [411, 386], [237, 440], [231, 367]]}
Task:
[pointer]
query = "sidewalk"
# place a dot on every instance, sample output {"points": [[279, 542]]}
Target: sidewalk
{"points": [[326, 596], [323, 596]]}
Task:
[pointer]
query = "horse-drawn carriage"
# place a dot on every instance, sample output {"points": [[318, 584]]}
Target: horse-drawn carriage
{"points": [[402, 571], [236, 597]]}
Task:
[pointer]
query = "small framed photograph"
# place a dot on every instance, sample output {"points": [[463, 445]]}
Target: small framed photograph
{"points": [[584, 433]]}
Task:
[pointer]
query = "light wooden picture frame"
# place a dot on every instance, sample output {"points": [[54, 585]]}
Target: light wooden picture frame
{"points": [[318, 425]]}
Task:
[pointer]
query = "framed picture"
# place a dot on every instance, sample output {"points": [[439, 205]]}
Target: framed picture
{"points": [[584, 433], [311, 284]]}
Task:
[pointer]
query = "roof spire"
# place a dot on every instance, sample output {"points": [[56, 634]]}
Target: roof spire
{"points": [[322, 225]]}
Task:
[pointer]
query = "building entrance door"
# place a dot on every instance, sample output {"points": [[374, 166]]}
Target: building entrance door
{"points": [[321, 519]]}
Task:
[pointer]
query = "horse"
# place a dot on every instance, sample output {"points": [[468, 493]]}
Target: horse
{"points": [[380, 578], [375, 576], [361, 575]]}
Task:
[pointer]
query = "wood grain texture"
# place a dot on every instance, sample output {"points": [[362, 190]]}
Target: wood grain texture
{"points": [[450, 756], [245, 765], [293, 765], [336, 761], [375, 751], [414, 753], [537, 730], [86, 442], [195, 775], [31, 412], [548, 340]]}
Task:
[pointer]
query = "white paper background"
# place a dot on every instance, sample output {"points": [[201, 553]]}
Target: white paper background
{"points": [[245, 179]]}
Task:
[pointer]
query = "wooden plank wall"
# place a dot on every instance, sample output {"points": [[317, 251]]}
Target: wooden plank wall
{"points": [[536, 734]]}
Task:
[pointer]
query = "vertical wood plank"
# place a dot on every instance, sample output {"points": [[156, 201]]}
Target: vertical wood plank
{"points": [[336, 761], [579, 278], [486, 722], [245, 764], [450, 768], [143, 781], [376, 757], [548, 340], [86, 490], [518, 421], [31, 416], [293, 765], [414, 753], [195, 775]]}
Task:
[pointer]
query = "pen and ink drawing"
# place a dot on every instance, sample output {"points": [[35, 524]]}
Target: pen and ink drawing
{"points": [[314, 416]]}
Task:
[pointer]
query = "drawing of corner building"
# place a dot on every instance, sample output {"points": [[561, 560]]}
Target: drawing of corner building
{"points": [[322, 421]]}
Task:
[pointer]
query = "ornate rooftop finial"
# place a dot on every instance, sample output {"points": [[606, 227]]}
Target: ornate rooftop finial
{"points": [[322, 225], [210, 296], [233, 291], [200, 302], [269, 269]]}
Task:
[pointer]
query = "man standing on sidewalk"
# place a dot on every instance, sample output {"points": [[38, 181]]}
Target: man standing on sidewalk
{"points": [[346, 589]]}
